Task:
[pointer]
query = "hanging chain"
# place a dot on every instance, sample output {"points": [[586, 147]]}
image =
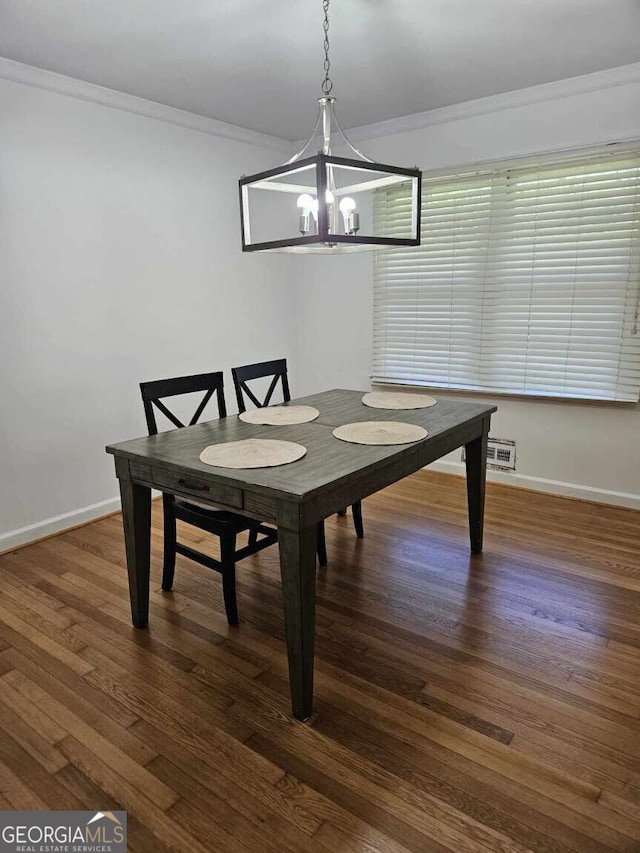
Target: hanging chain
{"points": [[327, 83]]}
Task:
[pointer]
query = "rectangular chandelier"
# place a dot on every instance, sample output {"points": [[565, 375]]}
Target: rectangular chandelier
{"points": [[324, 204]]}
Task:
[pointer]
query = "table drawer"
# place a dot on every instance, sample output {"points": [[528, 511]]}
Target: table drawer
{"points": [[197, 486]]}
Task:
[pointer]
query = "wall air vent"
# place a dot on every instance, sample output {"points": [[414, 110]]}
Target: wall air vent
{"points": [[501, 454]]}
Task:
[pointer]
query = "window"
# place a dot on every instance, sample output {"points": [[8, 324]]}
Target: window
{"points": [[526, 282]]}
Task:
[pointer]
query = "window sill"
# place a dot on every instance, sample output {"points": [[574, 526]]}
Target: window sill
{"points": [[498, 395]]}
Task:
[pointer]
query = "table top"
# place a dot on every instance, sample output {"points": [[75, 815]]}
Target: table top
{"points": [[328, 460]]}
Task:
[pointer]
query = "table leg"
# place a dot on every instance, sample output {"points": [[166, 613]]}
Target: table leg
{"points": [[476, 461], [298, 570], [136, 518]]}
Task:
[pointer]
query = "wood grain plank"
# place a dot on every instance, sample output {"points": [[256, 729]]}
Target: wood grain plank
{"points": [[257, 799], [17, 631], [18, 794], [132, 799], [103, 748]]}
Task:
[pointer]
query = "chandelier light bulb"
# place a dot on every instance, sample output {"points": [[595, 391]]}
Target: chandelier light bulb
{"points": [[311, 204], [305, 201], [351, 218], [347, 205]]}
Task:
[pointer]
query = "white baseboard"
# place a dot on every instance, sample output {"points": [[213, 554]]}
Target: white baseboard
{"points": [[553, 487], [42, 529]]}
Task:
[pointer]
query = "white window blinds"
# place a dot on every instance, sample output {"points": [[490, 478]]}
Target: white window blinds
{"points": [[526, 282]]}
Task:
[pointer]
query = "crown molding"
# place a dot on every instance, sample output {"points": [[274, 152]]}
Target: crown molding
{"points": [[29, 75], [621, 76]]}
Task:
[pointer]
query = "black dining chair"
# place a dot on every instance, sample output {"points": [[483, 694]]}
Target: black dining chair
{"points": [[277, 371], [226, 525]]}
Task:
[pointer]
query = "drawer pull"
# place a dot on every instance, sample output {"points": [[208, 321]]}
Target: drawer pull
{"points": [[192, 486]]}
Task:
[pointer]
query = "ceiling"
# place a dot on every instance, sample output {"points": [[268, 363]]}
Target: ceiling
{"points": [[258, 64]]}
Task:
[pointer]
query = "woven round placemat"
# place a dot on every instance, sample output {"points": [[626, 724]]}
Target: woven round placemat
{"points": [[398, 400], [280, 415], [380, 432], [252, 453]]}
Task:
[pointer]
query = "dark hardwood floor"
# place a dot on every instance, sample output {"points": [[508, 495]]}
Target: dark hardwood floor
{"points": [[462, 703]]}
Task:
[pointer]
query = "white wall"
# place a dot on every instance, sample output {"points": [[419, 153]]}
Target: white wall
{"points": [[120, 262], [562, 447]]}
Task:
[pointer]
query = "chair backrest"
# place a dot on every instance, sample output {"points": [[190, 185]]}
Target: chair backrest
{"points": [[276, 369], [154, 392]]}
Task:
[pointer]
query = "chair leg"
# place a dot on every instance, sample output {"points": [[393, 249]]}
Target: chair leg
{"points": [[228, 560], [357, 519], [253, 536], [169, 524], [342, 512], [322, 545]]}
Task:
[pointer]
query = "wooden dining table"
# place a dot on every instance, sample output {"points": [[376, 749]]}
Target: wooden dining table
{"points": [[294, 497]]}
